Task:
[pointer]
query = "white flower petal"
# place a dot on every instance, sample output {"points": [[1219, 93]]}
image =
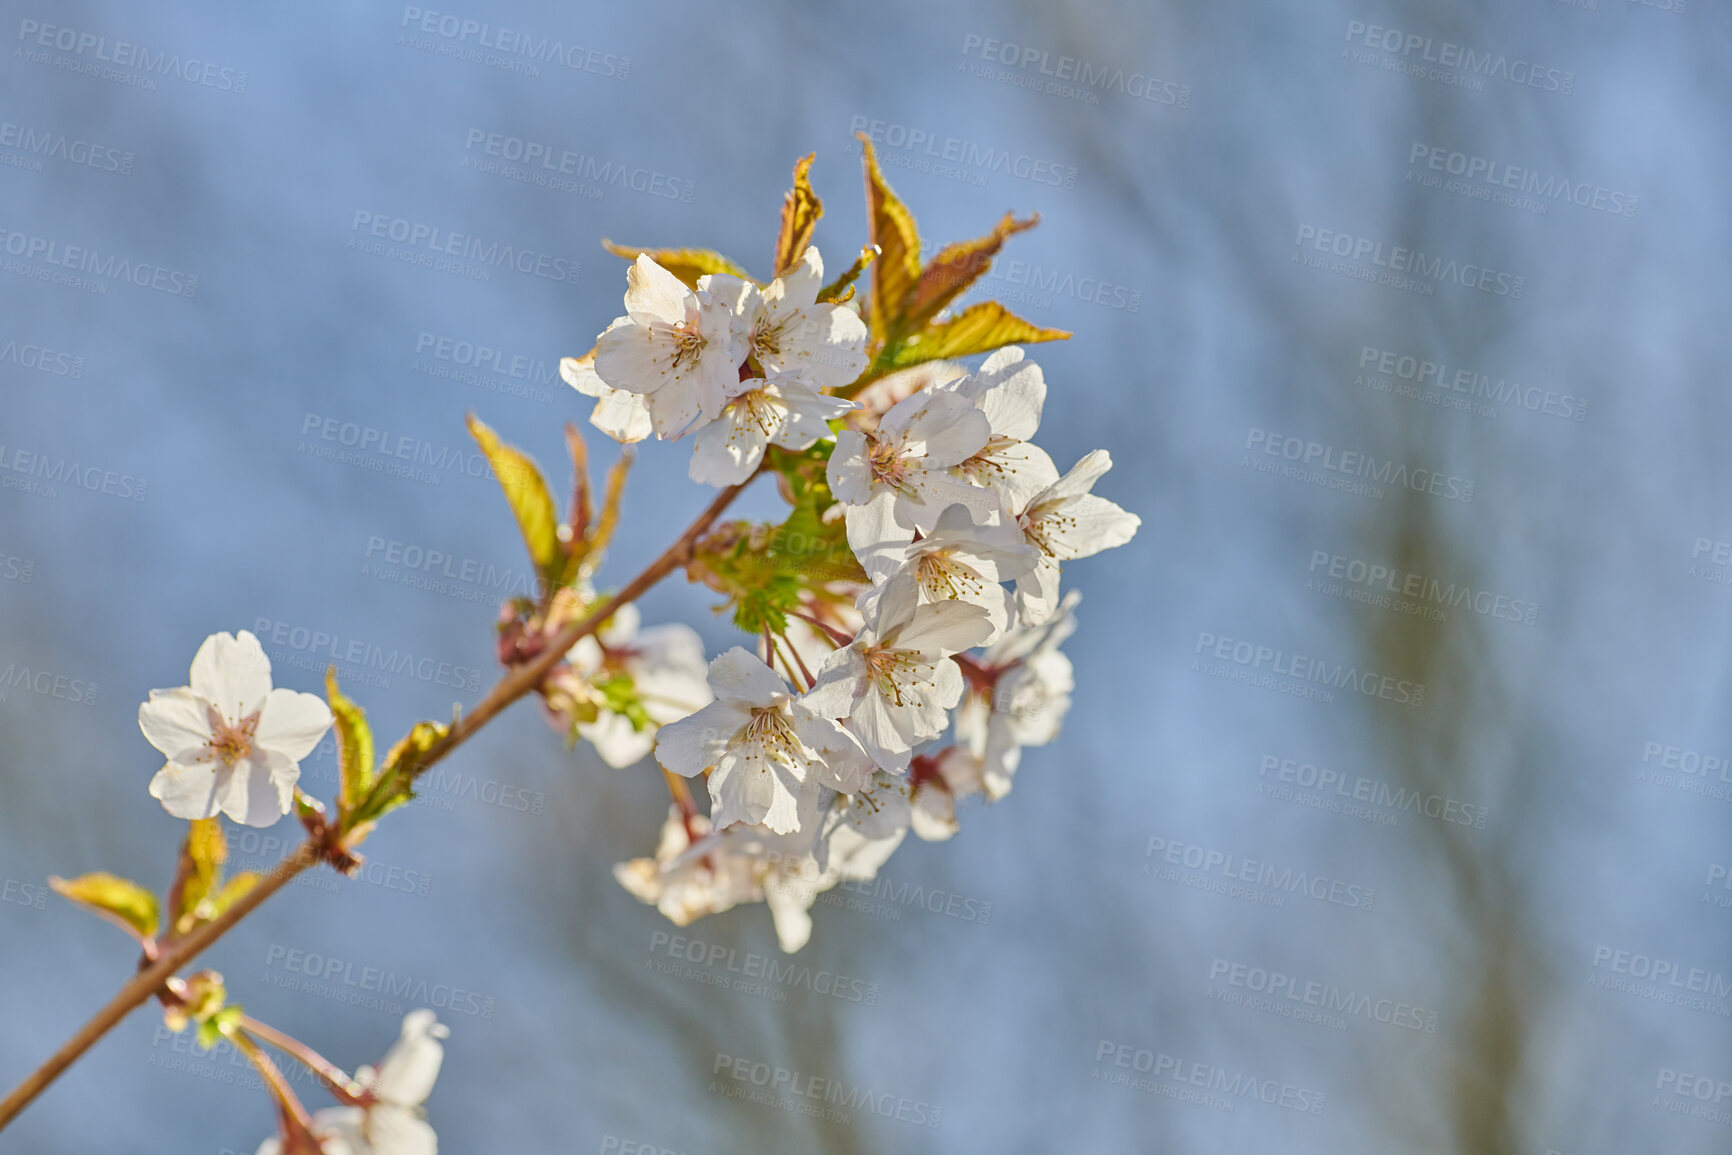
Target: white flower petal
{"points": [[798, 285], [616, 741], [188, 790], [232, 673], [406, 1074], [946, 628], [693, 744], [292, 723], [883, 732], [621, 415], [1081, 478], [933, 818], [839, 679], [790, 907], [941, 426], [849, 475], [1037, 592], [891, 606], [741, 675], [726, 451], [1083, 526], [1013, 404], [1015, 470], [654, 292], [394, 1131], [175, 721], [260, 788], [878, 539]]}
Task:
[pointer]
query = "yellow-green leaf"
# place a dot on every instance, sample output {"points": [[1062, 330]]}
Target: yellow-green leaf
{"points": [[686, 264], [218, 1026], [801, 209], [897, 270], [527, 493], [842, 287], [958, 266], [197, 871], [977, 329], [608, 521], [394, 784], [120, 900], [354, 745], [232, 892]]}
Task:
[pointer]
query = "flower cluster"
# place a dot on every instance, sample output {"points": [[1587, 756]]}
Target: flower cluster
{"points": [[738, 367], [921, 598], [946, 502]]}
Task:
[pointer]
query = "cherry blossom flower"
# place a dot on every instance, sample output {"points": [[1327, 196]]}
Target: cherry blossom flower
{"points": [[962, 561], [623, 416], [1066, 521], [677, 347], [617, 686], [894, 682], [897, 479], [688, 879], [764, 748], [785, 330], [863, 828], [392, 1123], [233, 743], [936, 782], [779, 409], [879, 397], [1023, 692], [1010, 391], [686, 887], [795, 869]]}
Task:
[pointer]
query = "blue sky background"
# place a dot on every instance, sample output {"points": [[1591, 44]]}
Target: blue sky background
{"points": [[1284, 124]]}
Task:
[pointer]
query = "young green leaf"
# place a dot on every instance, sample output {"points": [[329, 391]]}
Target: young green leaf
{"points": [[196, 872], [120, 900], [842, 288], [231, 892], [801, 209], [686, 264], [977, 329], [958, 266], [394, 784], [530, 500], [354, 746], [897, 270], [217, 1026]]}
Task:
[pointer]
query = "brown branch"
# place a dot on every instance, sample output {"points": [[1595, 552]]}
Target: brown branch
{"points": [[152, 979], [510, 688]]}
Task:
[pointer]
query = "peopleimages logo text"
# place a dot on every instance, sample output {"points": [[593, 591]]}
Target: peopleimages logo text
{"points": [[1281, 663], [1447, 54], [1479, 169], [955, 150], [1082, 72], [1410, 261], [512, 42], [122, 54], [59, 146], [1355, 464], [83, 259], [464, 246]]}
